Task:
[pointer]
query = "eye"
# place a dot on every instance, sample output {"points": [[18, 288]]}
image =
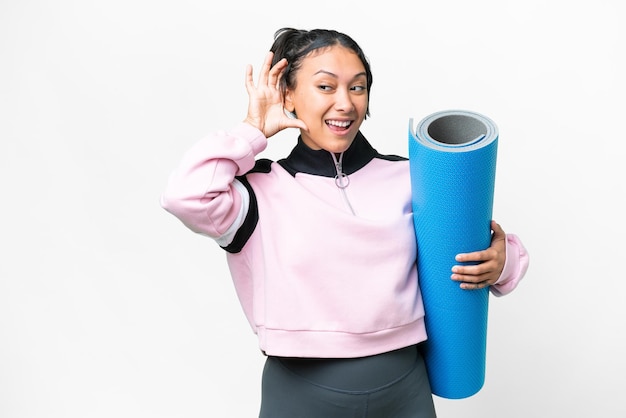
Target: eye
{"points": [[324, 87], [358, 88]]}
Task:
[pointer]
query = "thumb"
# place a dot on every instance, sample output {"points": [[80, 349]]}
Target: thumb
{"points": [[296, 123]]}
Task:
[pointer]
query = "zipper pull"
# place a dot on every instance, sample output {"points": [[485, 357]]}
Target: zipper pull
{"points": [[341, 180]]}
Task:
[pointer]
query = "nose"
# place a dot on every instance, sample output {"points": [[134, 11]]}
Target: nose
{"points": [[343, 101]]}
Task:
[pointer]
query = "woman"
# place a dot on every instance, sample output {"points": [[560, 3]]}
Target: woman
{"points": [[321, 244]]}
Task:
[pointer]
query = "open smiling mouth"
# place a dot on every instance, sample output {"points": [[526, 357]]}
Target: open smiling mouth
{"points": [[339, 124]]}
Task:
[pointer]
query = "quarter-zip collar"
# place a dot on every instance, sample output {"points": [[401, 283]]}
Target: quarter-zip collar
{"points": [[303, 159]]}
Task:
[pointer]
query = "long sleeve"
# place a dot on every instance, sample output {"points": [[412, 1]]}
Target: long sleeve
{"points": [[202, 191], [515, 267]]}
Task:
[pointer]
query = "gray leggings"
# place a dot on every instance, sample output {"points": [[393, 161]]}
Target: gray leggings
{"points": [[389, 385]]}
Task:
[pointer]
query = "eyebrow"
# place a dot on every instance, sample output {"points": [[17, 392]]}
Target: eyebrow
{"points": [[335, 75]]}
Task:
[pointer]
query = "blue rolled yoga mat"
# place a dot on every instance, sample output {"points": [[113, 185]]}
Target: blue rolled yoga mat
{"points": [[452, 156]]}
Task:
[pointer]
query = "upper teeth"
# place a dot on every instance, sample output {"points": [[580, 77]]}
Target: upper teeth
{"points": [[342, 124]]}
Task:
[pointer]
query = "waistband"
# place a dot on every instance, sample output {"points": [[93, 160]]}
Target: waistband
{"points": [[362, 373]]}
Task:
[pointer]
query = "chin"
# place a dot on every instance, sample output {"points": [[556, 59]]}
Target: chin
{"points": [[338, 146]]}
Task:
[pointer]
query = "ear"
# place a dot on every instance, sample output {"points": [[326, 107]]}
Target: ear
{"points": [[289, 105]]}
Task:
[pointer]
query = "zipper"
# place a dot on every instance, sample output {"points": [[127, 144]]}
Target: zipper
{"points": [[342, 180]]}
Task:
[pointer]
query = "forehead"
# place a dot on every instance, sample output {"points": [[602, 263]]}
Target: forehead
{"points": [[337, 60]]}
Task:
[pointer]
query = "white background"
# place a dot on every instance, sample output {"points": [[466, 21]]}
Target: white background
{"points": [[109, 307]]}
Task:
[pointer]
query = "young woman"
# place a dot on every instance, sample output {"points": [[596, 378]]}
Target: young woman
{"points": [[321, 244]]}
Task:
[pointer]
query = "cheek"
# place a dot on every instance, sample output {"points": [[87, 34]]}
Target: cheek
{"points": [[364, 103], [311, 110]]}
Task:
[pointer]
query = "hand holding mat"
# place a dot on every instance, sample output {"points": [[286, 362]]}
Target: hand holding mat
{"points": [[452, 157]]}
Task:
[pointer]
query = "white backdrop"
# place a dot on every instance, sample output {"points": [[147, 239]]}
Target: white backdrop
{"points": [[109, 307]]}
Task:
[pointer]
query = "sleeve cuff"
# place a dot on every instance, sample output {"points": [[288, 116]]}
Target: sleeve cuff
{"points": [[515, 266]]}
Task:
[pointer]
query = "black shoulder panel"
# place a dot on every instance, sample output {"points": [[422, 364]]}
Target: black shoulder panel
{"points": [[245, 230], [263, 165], [392, 157]]}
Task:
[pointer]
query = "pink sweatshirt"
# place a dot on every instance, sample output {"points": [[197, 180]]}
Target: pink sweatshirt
{"points": [[320, 271]]}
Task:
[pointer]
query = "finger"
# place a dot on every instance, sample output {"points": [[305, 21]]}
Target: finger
{"points": [[485, 267], [276, 73], [470, 277], [249, 78], [265, 69], [474, 286], [473, 270], [482, 255], [497, 229]]}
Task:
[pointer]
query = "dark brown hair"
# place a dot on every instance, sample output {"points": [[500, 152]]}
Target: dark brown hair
{"points": [[296, 44]]}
